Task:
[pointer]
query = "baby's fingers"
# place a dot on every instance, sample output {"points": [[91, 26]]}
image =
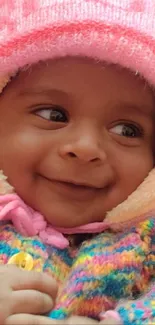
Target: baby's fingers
{"points": [[110, 321], [75, 320], [18, 279], [30, 302], [26, 319], [36, 281]]}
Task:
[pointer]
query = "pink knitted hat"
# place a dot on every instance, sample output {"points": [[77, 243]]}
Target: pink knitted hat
{"points": [[117, 31]]}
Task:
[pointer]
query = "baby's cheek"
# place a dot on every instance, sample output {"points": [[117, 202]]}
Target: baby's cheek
{"points": [[18, 154], [137, 164]]}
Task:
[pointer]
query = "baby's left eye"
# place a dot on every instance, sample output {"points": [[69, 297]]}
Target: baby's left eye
{"points": [[127, 130], [52, 114]]}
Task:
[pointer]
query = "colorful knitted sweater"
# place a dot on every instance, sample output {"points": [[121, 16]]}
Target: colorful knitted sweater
{"points": [[102, 272]]}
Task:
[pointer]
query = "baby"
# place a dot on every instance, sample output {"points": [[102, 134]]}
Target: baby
{"points": [[77, 146]]}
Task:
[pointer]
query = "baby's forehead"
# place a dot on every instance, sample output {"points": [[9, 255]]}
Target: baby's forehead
{"points": [[68, 63]]}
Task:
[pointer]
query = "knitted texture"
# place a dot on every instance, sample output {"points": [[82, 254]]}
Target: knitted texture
{"points": [[116, 31], [109, 268], [139, 312], [45, 258], [95, 277]]}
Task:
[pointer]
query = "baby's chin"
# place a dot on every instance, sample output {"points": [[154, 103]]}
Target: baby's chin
{"points": [[68, 217], [70, 220]]}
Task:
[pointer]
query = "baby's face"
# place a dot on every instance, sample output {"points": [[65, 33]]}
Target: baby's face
{"points": [[76, 138]]}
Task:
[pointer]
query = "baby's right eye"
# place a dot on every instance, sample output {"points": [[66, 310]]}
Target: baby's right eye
{"points": [[53, 114]]}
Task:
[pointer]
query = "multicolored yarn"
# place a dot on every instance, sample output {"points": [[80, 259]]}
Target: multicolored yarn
{"points": [[109, 268], [99, 274], [45, 258], [141, 311]]}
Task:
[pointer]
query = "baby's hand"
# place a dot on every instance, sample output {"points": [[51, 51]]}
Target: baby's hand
{"points": [[73, 320], [25, 319], [25, 292]]}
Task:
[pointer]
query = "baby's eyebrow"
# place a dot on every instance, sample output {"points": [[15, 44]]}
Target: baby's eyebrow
{"points": [[145, 109], [47, 92]]}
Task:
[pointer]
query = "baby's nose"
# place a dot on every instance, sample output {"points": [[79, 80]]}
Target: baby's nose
{"points": [[84, 148]]}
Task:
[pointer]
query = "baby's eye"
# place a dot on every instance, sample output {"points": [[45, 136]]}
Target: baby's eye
{"points": [[52, 114], [127, 130]]}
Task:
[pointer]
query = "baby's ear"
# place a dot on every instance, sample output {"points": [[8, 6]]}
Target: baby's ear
{"points": [[5, 187]]}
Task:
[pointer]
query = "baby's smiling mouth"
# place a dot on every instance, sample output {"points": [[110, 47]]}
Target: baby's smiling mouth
{"points": [[74, 189]]}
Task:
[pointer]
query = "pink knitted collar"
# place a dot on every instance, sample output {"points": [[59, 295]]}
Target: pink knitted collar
{"points": [[30, 223]]}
